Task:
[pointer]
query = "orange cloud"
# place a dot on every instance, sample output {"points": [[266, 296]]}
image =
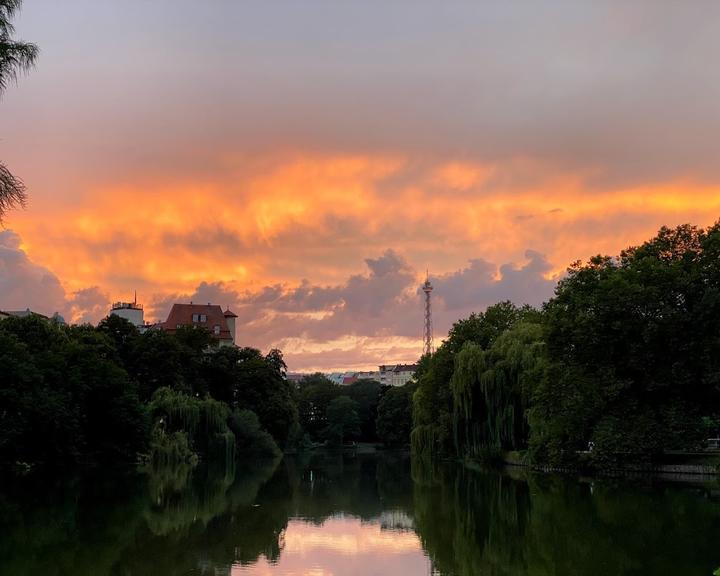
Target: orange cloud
{"points": [[315, 216]]}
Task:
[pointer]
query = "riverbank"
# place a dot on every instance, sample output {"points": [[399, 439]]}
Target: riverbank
{"points": [[676, 465]]}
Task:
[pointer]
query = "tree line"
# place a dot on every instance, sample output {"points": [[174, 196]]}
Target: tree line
{"points": [[78, 395], [623, 363], [84, 394]]}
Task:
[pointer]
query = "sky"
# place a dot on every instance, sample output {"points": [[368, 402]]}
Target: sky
{"points": [[307, 163]]}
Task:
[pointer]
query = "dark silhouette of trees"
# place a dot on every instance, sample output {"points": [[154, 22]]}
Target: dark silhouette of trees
{"points": [[394, 415], [625, 358]]}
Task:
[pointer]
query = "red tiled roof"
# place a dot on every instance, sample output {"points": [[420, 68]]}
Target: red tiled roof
{"points": [[182, 315], [229, 314], [349, 380]]}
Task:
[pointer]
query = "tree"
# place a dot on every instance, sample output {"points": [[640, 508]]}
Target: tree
{"points": [[635, 338], [343, 420], [65, 399], [183, 420], [250, 438], [16, 57], [259, 385], [491, 389], [315, 392], [157, 362], [123, 333], [433, 404], [394, 415], [367, 394]]}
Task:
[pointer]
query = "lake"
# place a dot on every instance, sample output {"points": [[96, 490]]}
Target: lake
{"points": [[351, 515]]}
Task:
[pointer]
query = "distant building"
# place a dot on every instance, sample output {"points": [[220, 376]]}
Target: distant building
{"points": [[23, 314], [27, 312], [368, 376], [388, 375], [336, 377], [131, 311], [352, 376], [221, 325], [397, 374]]}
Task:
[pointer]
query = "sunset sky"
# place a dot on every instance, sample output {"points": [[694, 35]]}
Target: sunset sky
{"points": [[305, 162]]}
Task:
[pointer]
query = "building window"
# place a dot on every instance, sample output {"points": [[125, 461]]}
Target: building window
{"points": [[203, 318], [196, 317], [179, 326], [216, 329]]}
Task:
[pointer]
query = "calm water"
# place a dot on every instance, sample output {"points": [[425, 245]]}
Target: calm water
{"points": [[356, 515]]}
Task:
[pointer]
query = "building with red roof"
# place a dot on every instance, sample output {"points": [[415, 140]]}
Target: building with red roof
{"points": [[221, 325]]}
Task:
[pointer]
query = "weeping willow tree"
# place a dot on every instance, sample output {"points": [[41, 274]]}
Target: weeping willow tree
{"points": [[434, 410], [184, 426], [431, 434], [490, 389], [16, 57]]}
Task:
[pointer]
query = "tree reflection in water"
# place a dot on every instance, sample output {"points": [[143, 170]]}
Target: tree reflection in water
{"points": [[469, 522], [475, 522]]}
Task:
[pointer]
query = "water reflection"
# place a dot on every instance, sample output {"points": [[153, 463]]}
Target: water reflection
{"points": [[474, 522], [343, 545], [354, 515]]}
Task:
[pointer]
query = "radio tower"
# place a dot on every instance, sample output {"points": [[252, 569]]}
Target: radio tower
{"points": [[428, 335]]}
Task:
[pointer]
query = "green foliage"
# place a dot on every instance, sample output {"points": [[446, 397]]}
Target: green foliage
{"points": [[433, 402], [394, 415], [315, 392], [124, 335], [250, 438], [82, 395], [248, 380], [342, 420], [197, 338], [491, 389], [63, 397], [635, 341], [171, 450], [204, 422], [564, 406], [366, 394], [157, 362], [625, 359]]}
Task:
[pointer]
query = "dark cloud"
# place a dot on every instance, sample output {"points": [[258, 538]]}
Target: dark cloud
{"points": [[384, 303], [24, 284], [620, 91]]}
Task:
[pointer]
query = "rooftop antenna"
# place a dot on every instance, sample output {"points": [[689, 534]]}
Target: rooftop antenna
{"points": [[428, 347], [135, 301]]}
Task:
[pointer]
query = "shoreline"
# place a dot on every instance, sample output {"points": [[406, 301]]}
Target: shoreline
{"points": [[677, 472]]}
